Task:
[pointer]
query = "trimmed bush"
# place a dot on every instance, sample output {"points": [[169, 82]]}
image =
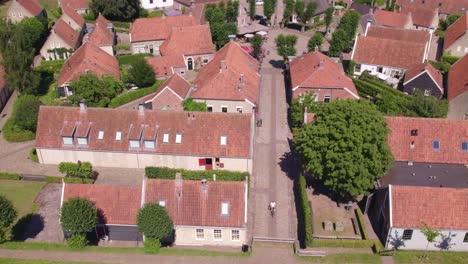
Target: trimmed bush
{"points": [[33, 155], [449, 58], [8, 215], [78, 216], [306, 212], [54, 179], [77, 241], [169, 173], [362, 226], [129, 59], [81, 169], [78, 180], [9, 176], [151, 246], [154, 222], [346, 243], [13, 133], [133, 95]]}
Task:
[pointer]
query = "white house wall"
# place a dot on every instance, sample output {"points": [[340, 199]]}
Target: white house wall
{"points": [[153, 4], [186, 235], [418, 240], [373, 70], [144, 47], [231, 105], [109, 49], [137, 160], [53, 42]]}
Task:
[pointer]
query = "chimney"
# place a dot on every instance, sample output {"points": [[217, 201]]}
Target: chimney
{"points": [[204, 185], [369, 22], [222, 66], [214, 177], [316, 49], [141, 109], [320, 64], [305, 115], [83, 106], [241, 81], [231, 38]]}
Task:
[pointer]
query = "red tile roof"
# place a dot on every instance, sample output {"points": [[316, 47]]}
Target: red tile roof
{"points": [[67, 10], [66, 33], [420, 16], [76, 4], [163, 65], [400, 34], [457, 78], [191, 40], [101, 35], [201, 132], [439, 208], [171, 94], [391, 19], [220, 78], [455, 31], [315, 70], [190, 205], [158, 28], [32, 6], [450, 134], [418, 69], [446, 6], [88, 57], [119, 204]]}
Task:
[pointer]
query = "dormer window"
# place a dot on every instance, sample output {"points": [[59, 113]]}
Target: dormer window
{"points": [[149, 144], [134, 143], [464, 146], [67, 140], [178, 138], [225, 209], [82, 141], [436, 145], [223, 140], [100, 135], [118, 135], [166, 138]]}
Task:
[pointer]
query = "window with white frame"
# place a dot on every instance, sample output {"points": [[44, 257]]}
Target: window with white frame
{"points": [[118, 135], [100, 135], [149, 144], [327, 98], [223, 140], [235, 235], [82, 141], [407, 234], [166, 138], [67, 140], [205, 59], [200, 234], [427, 92], [224, 109], [225, 209], [217, 234], [162, 203], [178, 138], [134, 143], [209, 108]]}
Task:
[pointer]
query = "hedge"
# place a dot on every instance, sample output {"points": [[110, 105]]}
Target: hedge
{"points": [[129, 59], [78, 180], [362, 226], [53, 179], [169, 173], [9, 176], [449, 58], [346, 243], [306, 212], [13, 133], [120, 24], [54, 66], [133, 95]]}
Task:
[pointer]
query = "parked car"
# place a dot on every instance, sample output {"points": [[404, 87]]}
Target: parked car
{"points": [[259, 2]]}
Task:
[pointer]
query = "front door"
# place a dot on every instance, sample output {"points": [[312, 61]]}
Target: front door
{"points": [[190, 64]]}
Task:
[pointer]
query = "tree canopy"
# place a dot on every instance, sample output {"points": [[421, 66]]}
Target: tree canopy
{"points": [[190, 105], [288, 10], [328, 17], [345, 147], [252, 9], [154, 222], [120, 10], [269, 8], [8, 215], [256, 43], [344, 34], [220, 26], [98, 92], [78, 216], [27, 111], [286, 45], [315, 41], [141, 73], [305, 102], [232, 11], [338, 43]]}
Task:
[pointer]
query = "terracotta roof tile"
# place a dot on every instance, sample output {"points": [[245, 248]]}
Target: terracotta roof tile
{"points": [[88, 57], [400, 34], [32, 6], [119, 204], [79, 20], [445, 6], [391, 19], [220, 78], [170, 95], [439, 208], [420, 16], [449, 133], [457, 78], [455, 31], [191, 40], [200, 131], [162, 65], [158, 28], [315, 70], [425, 67], [76, 4], [195, 207], [101, 35], [66, 33]]}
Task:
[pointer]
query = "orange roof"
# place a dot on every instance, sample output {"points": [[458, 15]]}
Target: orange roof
{"points": [[220, 78], [449, 133], [418, 69], [163, 65], [158, 28], [76, 4], [118, 204], [391, 19], [171, 93], [66, 9], [66, 33], [315, 70], [101, 35], [400, 34], [439, 208], [190, 40], [420, 16], [197, 207], [32, 6], [201, 131], [445, 6], [455, 31], [88, 57], [457, 78]]}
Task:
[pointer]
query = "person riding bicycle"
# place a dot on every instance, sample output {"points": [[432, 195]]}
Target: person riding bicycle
{"points": [[272, 206]]}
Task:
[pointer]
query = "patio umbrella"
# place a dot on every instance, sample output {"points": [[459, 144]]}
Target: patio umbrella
{"points": [[262, 33], [249, 35]]}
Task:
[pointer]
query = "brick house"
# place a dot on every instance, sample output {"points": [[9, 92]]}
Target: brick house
{"points": [[314, 72], [171, 96], [139, 138], [456, 37], [423, 18], [458, 90], [20, 9], [230, 82], [425, 78], [89, 58], [62, 41], [103, 35], [210, 213]]}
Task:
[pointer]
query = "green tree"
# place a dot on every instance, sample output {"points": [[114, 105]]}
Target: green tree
{"points": [[305, 102], [232, 11], [155, 224], [141, 73], [349, 23], [304, 12], [8, 215], [328, 17], [269, 8], [34, 28], [220, 30], [256, 43], [309, 11], [287, 12], [78, 216], [190, 105], [427, 106], [27, 111], [120, 10], [252, 9], [430, 234], [96, 91], [338, 43], [286, 45], [345, 147], [315, 41]]}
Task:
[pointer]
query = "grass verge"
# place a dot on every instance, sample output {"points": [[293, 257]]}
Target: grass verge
{"points": [[346, 243], [37, 261], [433, 257], [33, 155], [133, 95], [361, 258]]}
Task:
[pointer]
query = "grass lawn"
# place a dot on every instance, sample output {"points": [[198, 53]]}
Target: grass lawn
{"points": [[4, 7], [361, 258], [433, 257], [51, 7], [22, 194], [35, 261]]}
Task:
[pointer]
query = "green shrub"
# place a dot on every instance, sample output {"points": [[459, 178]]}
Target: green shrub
{"points": [[78, 180], [156, 13], [9, 176], [54, 179], [26, 112], [169, 173], [361, 223], [8, 215], [54, 66], [69, 168], [444, 67], [190, 105], [78, 216], [129, 59], [133, 95], [77, 241], [346, 243], [151, 246], [33, 155], [449, 58], [122, 47], [351, 67], [306, 212], [12, 132], [154, 222], [120, 24]]}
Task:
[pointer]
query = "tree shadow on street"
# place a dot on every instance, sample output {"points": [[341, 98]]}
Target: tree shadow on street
{"points": [[27, 226], [278, 64]]}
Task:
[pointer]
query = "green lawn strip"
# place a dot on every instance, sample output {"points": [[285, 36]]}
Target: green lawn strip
{"points": [[433, 257], [22, 194], [37, 261], [361, 258], [51, 7], [346, 243]]}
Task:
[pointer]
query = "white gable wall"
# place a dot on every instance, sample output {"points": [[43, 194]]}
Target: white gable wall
{"points": [[153, 4], [418, 240]]}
